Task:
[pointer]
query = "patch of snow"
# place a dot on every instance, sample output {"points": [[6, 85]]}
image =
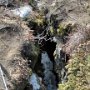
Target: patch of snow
{"points": [[34, 81], [23, 12]]}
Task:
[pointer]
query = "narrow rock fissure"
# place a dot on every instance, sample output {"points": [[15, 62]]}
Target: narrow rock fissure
{"points": [[39, 70], [46, 72]]}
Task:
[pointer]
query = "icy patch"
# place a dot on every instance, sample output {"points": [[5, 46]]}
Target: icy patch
{"points": [[47, 64], [34, 81], [49, 77]]}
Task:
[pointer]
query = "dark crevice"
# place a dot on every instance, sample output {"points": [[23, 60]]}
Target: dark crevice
{"points": [[49, 46], [38, 29]]}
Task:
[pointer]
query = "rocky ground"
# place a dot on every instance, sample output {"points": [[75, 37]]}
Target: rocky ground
{"points": [[19, 50]]}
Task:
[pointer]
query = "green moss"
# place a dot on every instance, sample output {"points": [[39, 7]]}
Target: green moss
{"points": [[78, 73], [60, 30], [51, 30], [30, 71], [63, 30], [39, 20], [31, 2]]}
